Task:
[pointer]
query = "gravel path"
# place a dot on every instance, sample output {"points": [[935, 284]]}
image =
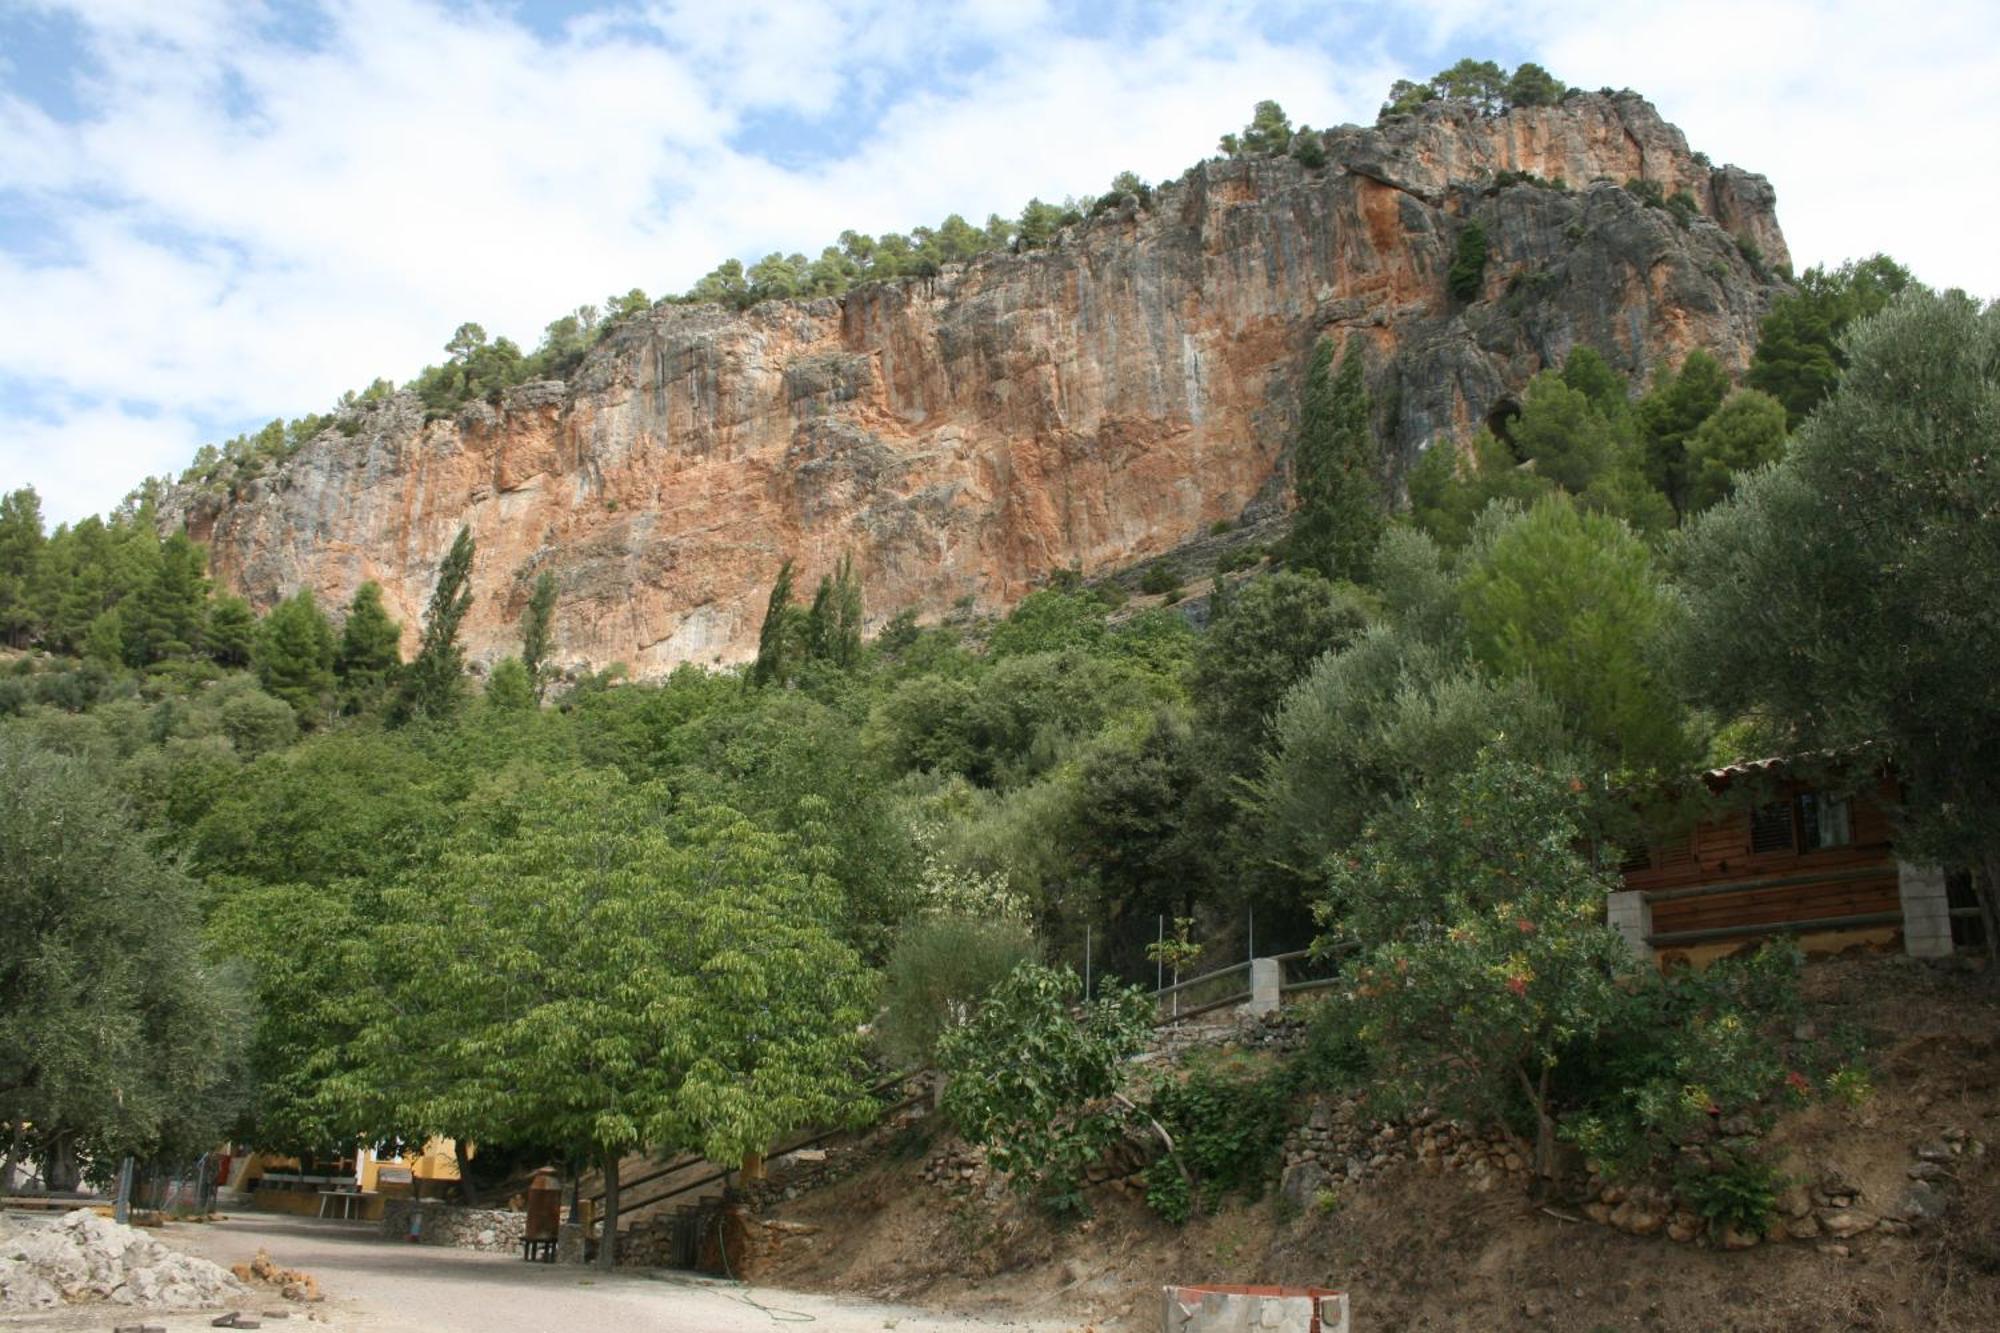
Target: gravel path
{"points": [[378, 1286]]}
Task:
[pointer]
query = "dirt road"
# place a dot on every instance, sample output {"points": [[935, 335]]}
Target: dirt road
{"points": [[378, 1286]]}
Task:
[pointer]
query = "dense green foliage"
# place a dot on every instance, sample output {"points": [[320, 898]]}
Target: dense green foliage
{"points": [[116, 1035], [1470, 989], [551, 890], [939, 972], [1227, 1119], [1843, 597], [1030, 1083], [1336, 470], [1479, 83], [1466, 278], [1651, 462], [1799, 355], [432, 686]]}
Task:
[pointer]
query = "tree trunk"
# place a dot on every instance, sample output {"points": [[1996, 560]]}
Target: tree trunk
{"points": [[467, 1195], [1986, 888], [7, 1164], [1545, 1138], [59, 1168], [607, 1247], [1544, 1155]]}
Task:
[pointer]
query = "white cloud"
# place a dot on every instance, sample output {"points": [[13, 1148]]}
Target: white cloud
{"points": [[89, 458], [246, 228]]}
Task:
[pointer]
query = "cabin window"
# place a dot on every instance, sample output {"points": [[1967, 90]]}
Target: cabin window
{"points": [[1771, 828], [1823, 822], [1636, 859]]}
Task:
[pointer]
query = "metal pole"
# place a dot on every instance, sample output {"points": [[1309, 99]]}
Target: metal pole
{"points": [[1086, 963], [1252, 942], [1160, 960], [121, 1212]]}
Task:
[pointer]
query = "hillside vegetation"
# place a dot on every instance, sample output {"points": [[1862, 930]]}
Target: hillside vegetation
{"points": [[359, 899]]}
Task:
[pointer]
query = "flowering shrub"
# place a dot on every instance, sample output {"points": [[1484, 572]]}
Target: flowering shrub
{"points": [[1485, 956], [1688, 1057]]}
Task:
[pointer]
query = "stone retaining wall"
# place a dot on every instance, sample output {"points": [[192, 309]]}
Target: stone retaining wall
{"points": [[491, 1229]]}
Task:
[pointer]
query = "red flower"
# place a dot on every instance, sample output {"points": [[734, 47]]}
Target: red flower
{"points": [[1797, 1082], [1525, 926], [1519, 985]]}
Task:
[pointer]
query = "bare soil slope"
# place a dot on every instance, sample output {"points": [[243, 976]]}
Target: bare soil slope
{"points": [[1426, 1251]]}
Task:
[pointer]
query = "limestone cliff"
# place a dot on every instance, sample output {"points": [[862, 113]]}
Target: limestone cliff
{"points": [[1091, 404]]}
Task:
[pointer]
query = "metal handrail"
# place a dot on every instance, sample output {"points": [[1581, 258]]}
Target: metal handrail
{"points": [[1225, 971]]}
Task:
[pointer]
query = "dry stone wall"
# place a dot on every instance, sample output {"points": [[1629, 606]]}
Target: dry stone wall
{"points": [[491, 1229]]}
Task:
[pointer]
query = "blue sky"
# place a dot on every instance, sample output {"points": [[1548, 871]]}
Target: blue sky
{"points": [[215, 212]]}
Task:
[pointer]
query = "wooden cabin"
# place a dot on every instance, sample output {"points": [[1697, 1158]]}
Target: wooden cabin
{"points": [[1795, 857]]}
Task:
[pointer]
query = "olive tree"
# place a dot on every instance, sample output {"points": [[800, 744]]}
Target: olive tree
{"points": [[1847, 596]]}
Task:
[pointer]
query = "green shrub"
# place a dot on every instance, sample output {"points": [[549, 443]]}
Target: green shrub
{"points": [[1335, 1059], [1168, 1192], [1682, 1052], [1467, 276], [1032, 1082], [1647, 192], [1162, 577], [1220, 526], [938, 972], [1309, 150], [1739, 1192], [1227, 1119]]}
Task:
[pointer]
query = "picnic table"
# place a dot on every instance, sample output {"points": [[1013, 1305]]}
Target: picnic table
{"points": [[346, 1198]]}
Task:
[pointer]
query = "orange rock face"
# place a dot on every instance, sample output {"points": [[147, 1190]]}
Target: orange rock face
{"points": [[1089, 405]]}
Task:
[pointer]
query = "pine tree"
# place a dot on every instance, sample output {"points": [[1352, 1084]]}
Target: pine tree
{"points": [[231, 636], [778, 641], [370, 651], [164, 617], [537, 629], [21, 544], [294, 655], [1669, 415], [1335, 471], [434, 685]]}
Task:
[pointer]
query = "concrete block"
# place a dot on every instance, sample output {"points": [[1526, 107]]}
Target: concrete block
{"points": [[1267, 982], [1628, 913], [1224, 1309], [1926, 910]]}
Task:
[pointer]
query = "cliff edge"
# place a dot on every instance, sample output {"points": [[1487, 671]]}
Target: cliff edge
{"points": [[1091, 404]]}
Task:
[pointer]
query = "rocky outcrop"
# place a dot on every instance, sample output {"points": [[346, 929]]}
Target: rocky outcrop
{"points": [[1089, 405]]}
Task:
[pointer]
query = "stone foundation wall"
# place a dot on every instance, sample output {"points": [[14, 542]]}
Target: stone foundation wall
{"points": [[492, 1229]]}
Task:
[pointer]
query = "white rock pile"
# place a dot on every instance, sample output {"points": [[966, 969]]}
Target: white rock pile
{"points": [[82, 1257]]}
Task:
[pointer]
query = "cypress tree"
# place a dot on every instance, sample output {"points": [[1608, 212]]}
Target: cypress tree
{"points": [[537, 625], [1335, 467], [777, 641], [1467, 275], [833, 625], [433, 686], [370, 650]]}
